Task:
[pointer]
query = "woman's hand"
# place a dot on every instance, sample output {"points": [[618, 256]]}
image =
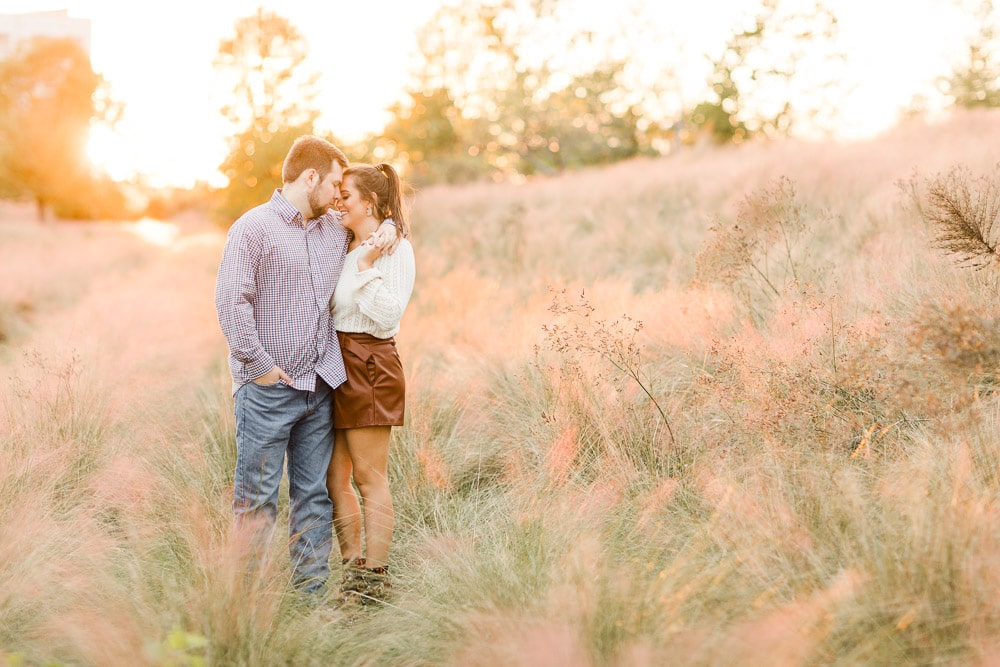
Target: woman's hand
{"points": [[369, 253]]}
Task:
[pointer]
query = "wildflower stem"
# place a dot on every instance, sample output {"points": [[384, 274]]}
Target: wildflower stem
{"points": [[763, 275], [634, 374]]}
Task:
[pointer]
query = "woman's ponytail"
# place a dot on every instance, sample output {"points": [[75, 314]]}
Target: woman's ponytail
{"points": [[394, 200]]}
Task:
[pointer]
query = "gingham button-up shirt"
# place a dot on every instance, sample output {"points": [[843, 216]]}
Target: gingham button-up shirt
{"points": [[273, 294]]}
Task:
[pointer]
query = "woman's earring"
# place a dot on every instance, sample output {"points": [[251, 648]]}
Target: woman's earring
{"points": [[369, 210]]}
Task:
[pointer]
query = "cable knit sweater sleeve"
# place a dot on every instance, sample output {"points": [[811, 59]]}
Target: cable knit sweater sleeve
{"points": [[383, 291]]}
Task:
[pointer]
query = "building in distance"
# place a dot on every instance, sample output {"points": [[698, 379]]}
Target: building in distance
{"points": [[16, 29]]}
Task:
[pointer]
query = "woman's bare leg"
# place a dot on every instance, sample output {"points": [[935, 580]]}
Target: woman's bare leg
{"points": [[369, 454], [346, 509]]}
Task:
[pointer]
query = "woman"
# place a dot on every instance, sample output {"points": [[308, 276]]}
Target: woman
{"points": [[367, 306]]}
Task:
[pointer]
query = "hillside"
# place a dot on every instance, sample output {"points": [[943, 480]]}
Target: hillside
{"points": [[729, 406]]}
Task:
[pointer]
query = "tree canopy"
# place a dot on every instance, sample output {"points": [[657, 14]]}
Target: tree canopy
{"points": [[757, 85], [488, 96], [272, 103], [47, 104], [975, 81]]}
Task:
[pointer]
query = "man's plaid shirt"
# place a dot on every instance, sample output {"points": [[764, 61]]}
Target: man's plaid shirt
{"points": [[273, 294]]}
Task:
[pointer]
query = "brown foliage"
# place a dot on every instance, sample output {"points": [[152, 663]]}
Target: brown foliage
{"points": [[964, 209]]}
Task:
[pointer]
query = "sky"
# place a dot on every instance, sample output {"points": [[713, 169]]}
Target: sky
{"points": [[158, 60]]}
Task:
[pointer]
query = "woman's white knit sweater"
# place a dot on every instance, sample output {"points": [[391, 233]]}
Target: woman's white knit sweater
{"points": [[373, 301]]}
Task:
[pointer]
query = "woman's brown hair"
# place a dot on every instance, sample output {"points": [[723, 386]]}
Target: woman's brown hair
{"points": [[381, 186]]}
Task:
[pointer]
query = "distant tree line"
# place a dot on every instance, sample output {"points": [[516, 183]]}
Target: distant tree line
{"points": [[499, 89]]}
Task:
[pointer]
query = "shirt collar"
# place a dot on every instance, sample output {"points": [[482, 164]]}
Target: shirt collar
{"points": [[289, 214]]}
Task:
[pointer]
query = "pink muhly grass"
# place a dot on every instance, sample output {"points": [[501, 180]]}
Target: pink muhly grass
{"points": [[520, 642], [652, 508], [434, 468], [790, 633], [561, 454]]}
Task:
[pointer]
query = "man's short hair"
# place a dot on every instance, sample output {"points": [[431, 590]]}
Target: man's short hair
{"points": [[310, 152]]}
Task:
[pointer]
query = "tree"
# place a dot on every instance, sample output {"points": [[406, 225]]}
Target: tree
{"points": [[47, 104], [580, 125], [755, 83], [271, 104], [721, 115], [428, 132], [499, 88], [976, 81]]}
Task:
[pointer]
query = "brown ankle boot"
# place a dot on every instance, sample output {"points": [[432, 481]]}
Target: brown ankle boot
{"points": [[377, 587], [353, 580]]}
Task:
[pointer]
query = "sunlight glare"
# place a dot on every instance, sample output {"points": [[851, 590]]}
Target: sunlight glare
{"points": [[155, 232], [108, 152]]}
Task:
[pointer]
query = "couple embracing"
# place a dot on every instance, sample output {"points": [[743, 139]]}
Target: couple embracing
{"points": [[310, 292]]}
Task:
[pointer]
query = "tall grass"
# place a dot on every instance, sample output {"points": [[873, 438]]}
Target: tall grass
{"points": [[768, 435]]}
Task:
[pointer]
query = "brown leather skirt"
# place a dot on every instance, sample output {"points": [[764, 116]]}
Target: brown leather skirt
{"points": [[374, 394]]}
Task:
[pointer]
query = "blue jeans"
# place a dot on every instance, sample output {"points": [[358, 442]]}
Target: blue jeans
{"points": [[272, 421]]}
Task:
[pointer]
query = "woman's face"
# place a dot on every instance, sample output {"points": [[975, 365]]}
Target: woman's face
{"points": [[352, 208]]}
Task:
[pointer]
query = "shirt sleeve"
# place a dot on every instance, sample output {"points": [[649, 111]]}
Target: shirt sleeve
{"points": [[384, 290], [235, 294]]}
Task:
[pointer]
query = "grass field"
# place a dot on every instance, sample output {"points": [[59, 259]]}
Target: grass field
{"points": [[730, 406]]}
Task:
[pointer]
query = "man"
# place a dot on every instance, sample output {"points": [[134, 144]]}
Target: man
{"points": [[279, 268]]}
